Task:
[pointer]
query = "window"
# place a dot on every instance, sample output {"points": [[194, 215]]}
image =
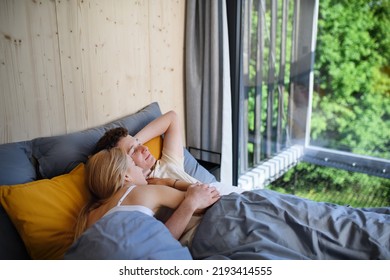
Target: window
{"points": [[277, 88], [350, 119]]}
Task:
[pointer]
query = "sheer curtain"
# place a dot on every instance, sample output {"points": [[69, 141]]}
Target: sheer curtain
{"points": [[208, 95]]}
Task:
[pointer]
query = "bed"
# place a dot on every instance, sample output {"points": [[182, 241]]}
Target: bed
{"points": [[42, 189]]}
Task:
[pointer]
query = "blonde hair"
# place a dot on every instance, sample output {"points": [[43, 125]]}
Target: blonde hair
{"points": [[105, 173]]}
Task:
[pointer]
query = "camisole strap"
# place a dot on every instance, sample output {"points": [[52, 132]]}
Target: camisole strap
{"points": [[125, 194]]}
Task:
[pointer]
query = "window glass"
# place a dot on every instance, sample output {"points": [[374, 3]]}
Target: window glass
{"points": [[267, 44], [351, 97]]}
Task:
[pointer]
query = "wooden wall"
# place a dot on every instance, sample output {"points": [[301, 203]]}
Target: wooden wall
{"points": [[67, 65]]}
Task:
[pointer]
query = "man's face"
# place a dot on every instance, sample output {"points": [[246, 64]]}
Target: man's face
{"points": [[139, 153]]}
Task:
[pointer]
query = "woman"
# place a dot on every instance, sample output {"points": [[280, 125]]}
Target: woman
{"points": [[117, 184]]}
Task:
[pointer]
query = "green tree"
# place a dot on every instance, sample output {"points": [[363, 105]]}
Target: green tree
{"points": [[351, 105], [351, 101]]}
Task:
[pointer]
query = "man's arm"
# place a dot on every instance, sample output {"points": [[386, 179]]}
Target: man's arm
{"points": [[173, 183], [169, 125]]}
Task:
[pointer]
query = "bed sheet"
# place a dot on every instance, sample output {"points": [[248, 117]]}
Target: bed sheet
{"points": [[265, 224]]}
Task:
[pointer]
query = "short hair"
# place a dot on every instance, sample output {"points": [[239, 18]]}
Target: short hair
{"points": [[110, 139]]}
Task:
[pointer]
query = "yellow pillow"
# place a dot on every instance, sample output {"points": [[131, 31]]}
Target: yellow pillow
{"points": [[45, 211], [155, 146]]}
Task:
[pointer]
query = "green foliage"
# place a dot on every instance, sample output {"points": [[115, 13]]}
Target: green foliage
{"points": [[257, 84], [351, 106], [351, 100], [334, 185], [351, 103]]}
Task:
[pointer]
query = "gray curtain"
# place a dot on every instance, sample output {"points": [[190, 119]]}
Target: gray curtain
{"points": [[208, 105]]}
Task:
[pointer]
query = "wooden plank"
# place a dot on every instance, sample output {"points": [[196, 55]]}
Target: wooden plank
{"points": [[166, 29], [105, 60], [70, 65], [31, 94]]}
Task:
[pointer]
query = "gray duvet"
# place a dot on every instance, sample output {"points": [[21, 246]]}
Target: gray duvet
{"points": [[264, 224]]}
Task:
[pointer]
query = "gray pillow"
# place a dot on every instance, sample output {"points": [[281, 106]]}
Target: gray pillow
{"points": [[17, 163], [60, 154], [192, 167]]}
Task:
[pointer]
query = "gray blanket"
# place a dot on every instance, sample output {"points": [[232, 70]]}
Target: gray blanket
{"points": [[127, 235], [264, 224]]}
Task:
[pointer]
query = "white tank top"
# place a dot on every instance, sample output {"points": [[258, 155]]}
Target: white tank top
{"points": [[120, 207]]}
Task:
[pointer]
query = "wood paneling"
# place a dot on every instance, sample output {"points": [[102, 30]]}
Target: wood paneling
{"points": [[70, 65]]}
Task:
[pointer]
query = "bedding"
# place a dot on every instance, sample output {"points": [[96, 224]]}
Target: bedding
{"points": [[264, 224], [130, 235], [24, 168]]}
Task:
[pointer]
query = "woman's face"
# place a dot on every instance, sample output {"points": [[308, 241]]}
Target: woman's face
{"points": [[135, 172]]}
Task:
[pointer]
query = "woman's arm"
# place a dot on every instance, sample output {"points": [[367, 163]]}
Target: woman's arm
{"points": [[185, 203], [156, 196], [197, 197]]}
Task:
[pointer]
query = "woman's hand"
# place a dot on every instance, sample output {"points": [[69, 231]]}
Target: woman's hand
{"points": [[201, 196]]}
